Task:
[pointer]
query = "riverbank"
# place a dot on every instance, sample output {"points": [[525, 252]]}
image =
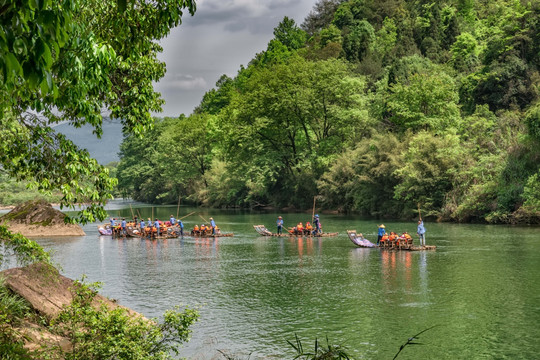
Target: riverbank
{"points": [[37, 219]]}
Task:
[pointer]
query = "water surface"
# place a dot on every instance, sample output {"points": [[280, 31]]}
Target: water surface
{"points": [[480, 288]]}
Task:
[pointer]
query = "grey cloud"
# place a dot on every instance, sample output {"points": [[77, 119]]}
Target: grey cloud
{"points": [[237, 15], [184, 82]]}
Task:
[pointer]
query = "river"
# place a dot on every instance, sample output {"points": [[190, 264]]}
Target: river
{"points": [[478, 293]]}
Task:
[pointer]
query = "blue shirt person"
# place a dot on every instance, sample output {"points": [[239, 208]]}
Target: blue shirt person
{"points": [[124, 226], [213, 225], [156, 225], [181, 224], [142, 226], [113, 223], [381, 233], [279, 224], [421, 231], [316, 225]]}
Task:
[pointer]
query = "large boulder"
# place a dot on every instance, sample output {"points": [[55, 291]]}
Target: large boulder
{"points": [[39, 218], [48, 293]]}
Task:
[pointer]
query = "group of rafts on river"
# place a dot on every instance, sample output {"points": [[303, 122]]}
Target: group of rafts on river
{"points": [[174, 228]]}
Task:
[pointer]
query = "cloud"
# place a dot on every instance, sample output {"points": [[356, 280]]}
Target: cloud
{"points": [[238, 15], [184, 82]]}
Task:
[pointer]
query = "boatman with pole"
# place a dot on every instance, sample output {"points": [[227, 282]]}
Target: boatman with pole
{"points": [[421, 231], [381, 233], [316, 225], [279, 224], [181, 224], [213, 224]]}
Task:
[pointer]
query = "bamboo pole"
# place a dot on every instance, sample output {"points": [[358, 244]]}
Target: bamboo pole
{"points": [[152, 214], [206, 221], [178, 208], [132, 214], [191, 213], [419, 212], [313, 213]]}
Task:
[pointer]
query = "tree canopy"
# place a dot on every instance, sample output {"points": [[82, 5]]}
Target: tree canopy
{"points": [[74, 61]]}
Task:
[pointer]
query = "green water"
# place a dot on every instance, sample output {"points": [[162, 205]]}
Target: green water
{"points": [[480, 289]]}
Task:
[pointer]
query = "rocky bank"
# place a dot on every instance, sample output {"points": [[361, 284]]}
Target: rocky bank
{"points": [[39, 218]]}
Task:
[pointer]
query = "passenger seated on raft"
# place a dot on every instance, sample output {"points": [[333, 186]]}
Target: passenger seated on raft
{"points": [[405, 239], [203, 229], [196, 230], [308, 229], [384, 240], [299, 229], [392, 238]]}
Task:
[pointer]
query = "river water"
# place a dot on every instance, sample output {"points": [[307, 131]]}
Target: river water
{"points": [[478, 293]]}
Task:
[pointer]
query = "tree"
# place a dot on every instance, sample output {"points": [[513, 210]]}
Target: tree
{"points": [[289, 34], [321, 16], [69, 60], [424, 100]]}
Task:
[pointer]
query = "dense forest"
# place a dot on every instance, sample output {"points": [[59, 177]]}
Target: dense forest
{"points": [[375, 107]]}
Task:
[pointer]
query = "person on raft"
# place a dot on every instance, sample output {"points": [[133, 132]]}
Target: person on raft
{"points": [[421, 231], [142, 226], [156, 225], [213, 225], [172, 220], [279, 224], [181, 225], [381, 233], [308, 229], [316, 225]]}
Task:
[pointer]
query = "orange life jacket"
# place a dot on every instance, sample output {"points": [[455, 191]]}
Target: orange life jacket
{"points": [[196, 228]]}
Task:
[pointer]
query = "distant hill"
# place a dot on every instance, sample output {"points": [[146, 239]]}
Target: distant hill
{"points": [[104, 150]]}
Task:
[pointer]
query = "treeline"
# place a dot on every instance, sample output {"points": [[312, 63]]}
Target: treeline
{"points": [[376, 107]]}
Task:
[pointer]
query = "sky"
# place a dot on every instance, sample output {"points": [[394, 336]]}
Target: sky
{"points": [[221, 36]]}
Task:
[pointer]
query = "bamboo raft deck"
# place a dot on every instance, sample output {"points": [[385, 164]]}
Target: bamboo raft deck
{"points": [[388, 245], [262, 230], [134, 232]]}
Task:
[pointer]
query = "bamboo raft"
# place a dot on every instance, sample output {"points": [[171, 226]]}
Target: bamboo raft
{"points": [[262, 230], [389, 245], [134, 232]]}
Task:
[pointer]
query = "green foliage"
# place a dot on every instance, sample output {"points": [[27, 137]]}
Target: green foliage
{"points": [[358, 41], [12, 309], [67, 61], [289, 34], [387, 104], [97, 332], [428, 172], [320, 352], [532, 120], [24, 250], [531, 192], [425, 100]]}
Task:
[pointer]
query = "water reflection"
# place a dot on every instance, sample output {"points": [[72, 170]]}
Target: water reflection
{"points": [[257, 292]]}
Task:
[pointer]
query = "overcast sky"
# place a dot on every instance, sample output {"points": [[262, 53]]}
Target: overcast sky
{"points": [[221, 36]]}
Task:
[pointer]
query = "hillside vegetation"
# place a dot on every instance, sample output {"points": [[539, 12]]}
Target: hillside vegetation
{"points": [[376, 107]]}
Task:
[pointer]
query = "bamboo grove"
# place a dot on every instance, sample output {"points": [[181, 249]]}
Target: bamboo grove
{"points": [[374, 107]]}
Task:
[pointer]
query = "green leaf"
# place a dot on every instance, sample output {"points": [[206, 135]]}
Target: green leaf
{"points": [[13, 65], [122, 5]]}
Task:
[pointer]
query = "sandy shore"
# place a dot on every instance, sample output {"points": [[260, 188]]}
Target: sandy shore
{"points": [[51, 230]]}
